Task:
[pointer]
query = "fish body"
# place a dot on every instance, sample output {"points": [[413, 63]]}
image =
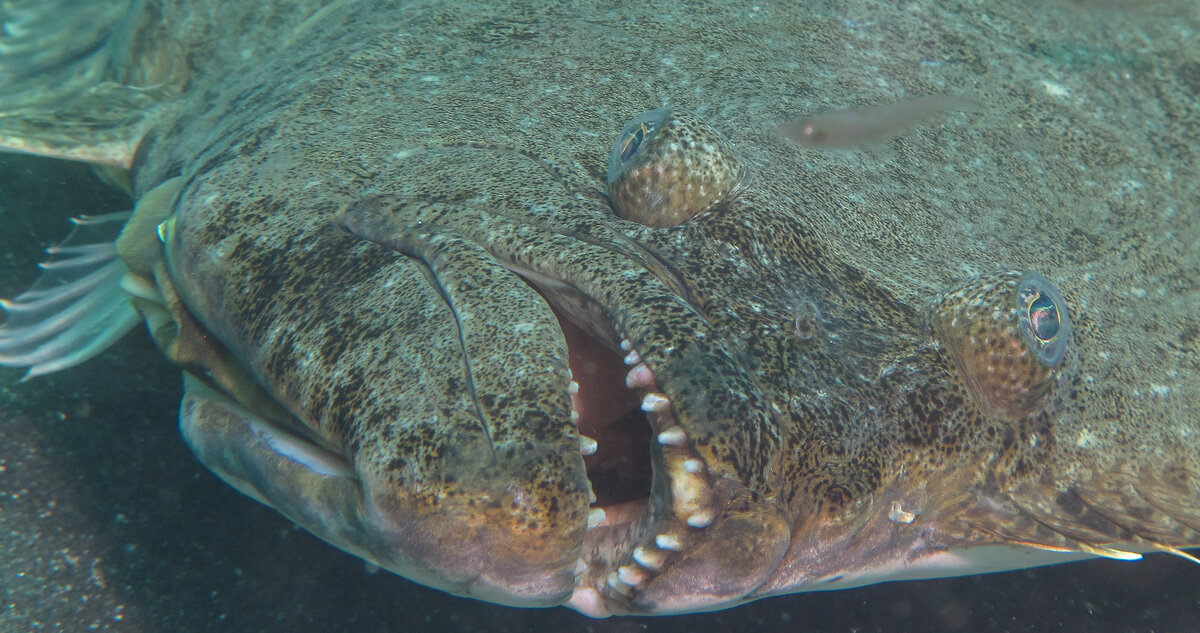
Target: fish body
{"points": [[843, 129], [390, 260]]}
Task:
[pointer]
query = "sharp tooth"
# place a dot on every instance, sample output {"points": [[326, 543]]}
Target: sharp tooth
{"points": [[649, 559], [631, 575], [614, 581], [626, 345], [591, 492], [668, 542], [581, 567], [655, 403], [639, 376], [596, 516], [700, 519], [587, 446], [572, 387], [632, 358], [690, 494], [674, 436], [899, 515], [574, 417]]}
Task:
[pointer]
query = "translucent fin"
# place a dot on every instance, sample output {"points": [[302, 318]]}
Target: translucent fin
{"points": [[97, 129], [50, 49], [76, 308], [65, 93], [1177, 552]]}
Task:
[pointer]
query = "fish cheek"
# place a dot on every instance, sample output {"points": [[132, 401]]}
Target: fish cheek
{"points": [[667, 166], [1007, 334]]}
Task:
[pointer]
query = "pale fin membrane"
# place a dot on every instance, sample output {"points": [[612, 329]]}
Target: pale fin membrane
{"points": [[76, 308], [78, 82]]}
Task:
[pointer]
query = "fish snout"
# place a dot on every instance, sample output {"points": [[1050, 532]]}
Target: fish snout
{"points": [[510, 535]]}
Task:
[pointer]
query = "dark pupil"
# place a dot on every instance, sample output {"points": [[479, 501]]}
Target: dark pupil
{"points": [[632, 142], [1043, 317]]}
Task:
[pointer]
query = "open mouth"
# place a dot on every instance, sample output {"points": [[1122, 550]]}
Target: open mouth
{"points": [[651, 491], [619, 463], [610, 413]]}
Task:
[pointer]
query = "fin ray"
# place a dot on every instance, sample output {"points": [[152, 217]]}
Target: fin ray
{"points": [[44, 296], [76, 308], [42, 326]]}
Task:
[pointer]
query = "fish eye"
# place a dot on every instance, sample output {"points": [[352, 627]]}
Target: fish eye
{"points": [[1006, 334], [810, 132], [632, 137], [1044, 319], [667, 166]]}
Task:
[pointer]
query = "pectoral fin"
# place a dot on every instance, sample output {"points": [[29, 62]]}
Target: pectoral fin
{"points": [[77, 308]]}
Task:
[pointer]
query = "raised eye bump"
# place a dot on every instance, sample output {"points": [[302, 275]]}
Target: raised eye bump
{"points": [[1007, 334], [667, 166]]}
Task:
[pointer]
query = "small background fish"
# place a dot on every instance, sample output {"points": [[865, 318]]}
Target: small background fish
{"points": [[844, 129]]}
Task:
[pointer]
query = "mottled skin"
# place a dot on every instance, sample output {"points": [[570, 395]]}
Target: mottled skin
{"points": [[355, 193]]}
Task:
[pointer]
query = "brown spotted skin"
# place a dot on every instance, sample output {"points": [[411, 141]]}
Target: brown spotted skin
{"points": [[980, 328], [662, 186], [358, 186]]}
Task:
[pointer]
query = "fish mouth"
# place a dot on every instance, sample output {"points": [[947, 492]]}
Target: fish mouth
{"points": [[621, 413], [609, 413], [680, 446], [660, 519]]}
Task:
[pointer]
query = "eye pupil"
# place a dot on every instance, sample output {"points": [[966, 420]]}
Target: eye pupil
{"points": [[638, 132], [632, 142], [1043, 319]]}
